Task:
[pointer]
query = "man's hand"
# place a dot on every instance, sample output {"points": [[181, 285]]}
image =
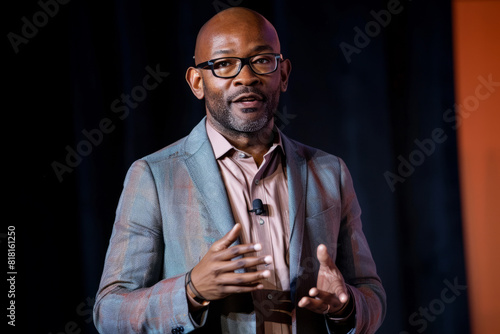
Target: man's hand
{"points": [[330, 296], [214, 275]]}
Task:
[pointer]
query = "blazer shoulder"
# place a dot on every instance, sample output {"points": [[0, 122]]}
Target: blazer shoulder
{"points": [[182, 148], [172, 151]]}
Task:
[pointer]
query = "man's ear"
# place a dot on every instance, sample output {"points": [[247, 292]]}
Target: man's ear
{"points": [[195, 82], [285, 69]]}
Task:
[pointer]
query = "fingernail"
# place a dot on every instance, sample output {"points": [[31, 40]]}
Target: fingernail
{"points": [[257, 247], [343, 297], [266, 274], [268, 259], [260, 286]]}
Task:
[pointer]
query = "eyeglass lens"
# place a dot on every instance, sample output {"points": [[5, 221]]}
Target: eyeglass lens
{"points": [[261, 64]]}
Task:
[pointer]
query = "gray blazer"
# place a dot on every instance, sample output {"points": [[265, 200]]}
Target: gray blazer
{"points": [[174, 206]]}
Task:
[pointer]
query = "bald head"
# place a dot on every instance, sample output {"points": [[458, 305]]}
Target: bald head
{"points": [[225, 32]]}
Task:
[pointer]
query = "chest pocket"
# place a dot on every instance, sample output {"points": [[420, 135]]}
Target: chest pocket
{"points": [[324, 228]]}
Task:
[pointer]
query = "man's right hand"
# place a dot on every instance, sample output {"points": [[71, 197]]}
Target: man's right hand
{"points": [[214, 275]]}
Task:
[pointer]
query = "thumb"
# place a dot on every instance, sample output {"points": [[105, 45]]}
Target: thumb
{"points": [[228, 239], [323, 257]]}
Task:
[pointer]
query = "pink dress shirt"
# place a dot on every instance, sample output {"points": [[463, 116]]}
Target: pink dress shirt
{"points": [[244, 182]]}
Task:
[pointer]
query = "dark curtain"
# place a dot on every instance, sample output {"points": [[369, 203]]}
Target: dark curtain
{"points": [[372, 82]]}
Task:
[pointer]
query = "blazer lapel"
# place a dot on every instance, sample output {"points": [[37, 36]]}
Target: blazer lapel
{"points": [[205, 174], [296, 174]]}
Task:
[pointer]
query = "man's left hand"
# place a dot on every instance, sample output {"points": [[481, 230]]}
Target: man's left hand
{"points": [[330, 296]]}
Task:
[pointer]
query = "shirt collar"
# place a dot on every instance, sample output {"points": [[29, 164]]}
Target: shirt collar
{"points": [[221, 145]]}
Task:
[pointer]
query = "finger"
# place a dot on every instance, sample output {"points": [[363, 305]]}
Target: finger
{"points": [[231, 289], [232, 252], [313, 304], [228, 239], [344, 297], [340, 291], [243, 279], [246, 262], [323, 257], [313, 292], [339, 297]]}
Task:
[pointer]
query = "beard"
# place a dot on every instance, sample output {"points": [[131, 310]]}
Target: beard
{"points": [[219, 108]]}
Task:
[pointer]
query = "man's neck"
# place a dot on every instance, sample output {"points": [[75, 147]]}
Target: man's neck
{"points": [[256, 144]]}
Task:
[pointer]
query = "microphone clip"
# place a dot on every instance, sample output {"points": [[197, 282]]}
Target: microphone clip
{"points": [[258, 207]]}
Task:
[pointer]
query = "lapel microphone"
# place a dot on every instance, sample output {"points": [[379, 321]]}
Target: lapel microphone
{"points": [[258, 207]]}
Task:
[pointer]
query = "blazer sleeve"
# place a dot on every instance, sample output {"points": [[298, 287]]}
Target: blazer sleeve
{"points": [[132, 297], [355, 261]]}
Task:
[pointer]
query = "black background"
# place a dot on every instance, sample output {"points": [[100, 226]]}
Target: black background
{"points": [[370, 110]]}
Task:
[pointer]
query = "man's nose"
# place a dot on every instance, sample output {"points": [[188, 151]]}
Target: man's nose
{"points": [[246, 77]]}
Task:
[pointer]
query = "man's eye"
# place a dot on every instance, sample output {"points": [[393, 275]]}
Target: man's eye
{"points": [[223, 63], [261, 60]]}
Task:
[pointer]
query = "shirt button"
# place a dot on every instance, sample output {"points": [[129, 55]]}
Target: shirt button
{"points": [[269, 296], [261, 221], [257, 181], [242, 155]]}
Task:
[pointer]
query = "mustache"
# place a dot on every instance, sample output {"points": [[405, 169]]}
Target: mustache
{"points": [[247, 90]]}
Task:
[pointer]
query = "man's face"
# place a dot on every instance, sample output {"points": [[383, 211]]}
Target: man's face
{"points": [[242, 108], [247, 102]]}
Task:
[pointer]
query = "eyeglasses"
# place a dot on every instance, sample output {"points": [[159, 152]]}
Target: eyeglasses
{"points": [[230, 67]]}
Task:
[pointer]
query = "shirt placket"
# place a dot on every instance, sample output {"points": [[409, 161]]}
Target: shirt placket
{"points": [[261, 223]]}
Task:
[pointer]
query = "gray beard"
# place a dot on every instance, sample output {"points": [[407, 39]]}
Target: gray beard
{"points": [[220, 112]]}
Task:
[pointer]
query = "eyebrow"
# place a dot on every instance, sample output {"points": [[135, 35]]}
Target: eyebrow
{"points": [[258, 48]]}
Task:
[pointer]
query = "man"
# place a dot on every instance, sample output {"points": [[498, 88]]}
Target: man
{"points": [[191, 249]]}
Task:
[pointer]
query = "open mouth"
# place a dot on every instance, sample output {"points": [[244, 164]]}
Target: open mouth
{"points": [[249, 101], [244, 98]]}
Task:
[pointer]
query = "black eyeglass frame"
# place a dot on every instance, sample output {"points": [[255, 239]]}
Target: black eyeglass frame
{"points": [[243, 61]]}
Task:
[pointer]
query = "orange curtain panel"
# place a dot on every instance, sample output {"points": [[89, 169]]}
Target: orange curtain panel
{"points": [[477, 76]]}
